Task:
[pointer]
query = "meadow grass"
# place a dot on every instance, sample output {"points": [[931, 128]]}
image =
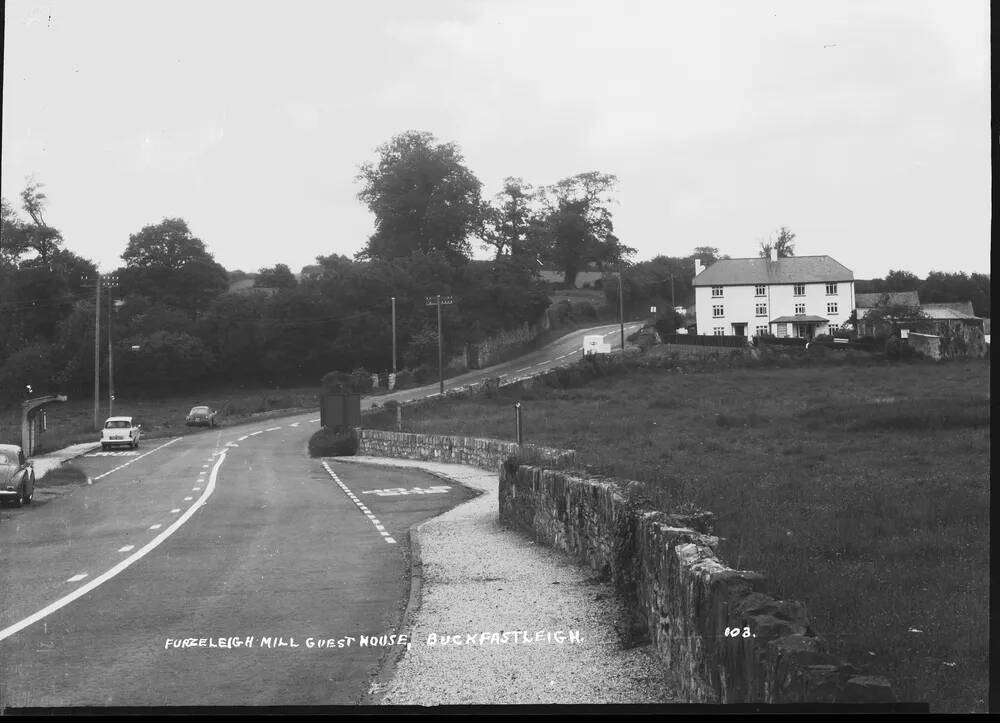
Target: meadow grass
{"points": [[861, 490], [72, 422]]}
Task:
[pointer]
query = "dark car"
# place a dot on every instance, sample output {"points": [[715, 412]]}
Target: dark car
{"points": [[201, 415], [17, 477]]}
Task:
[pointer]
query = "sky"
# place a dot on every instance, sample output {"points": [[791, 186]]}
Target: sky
{"points": [[861, 125]]}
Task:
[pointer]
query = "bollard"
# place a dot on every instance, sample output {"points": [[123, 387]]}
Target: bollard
{"points": [[517, 421]]}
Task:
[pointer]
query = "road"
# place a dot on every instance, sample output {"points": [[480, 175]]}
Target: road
{"points": [[210, 569]]}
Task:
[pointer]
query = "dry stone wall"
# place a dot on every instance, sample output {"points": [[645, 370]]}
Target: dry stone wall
{"points": [[682, 597]]}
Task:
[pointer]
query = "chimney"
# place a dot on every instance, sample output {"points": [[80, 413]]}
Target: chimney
{"points": [[698, 268], [774, 254]]}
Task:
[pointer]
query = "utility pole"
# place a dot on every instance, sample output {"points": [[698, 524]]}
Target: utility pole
{"points": [[110, 283], [621, 307], [97, 350], [432, 301], [393, 334]]}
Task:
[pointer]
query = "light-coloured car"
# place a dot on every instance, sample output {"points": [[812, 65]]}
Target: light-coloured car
{"points": [[17, 476], [120, 431], [201, 415]]}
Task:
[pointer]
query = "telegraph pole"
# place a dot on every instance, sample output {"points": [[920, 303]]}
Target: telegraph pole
{"points": [[97, 350], [109, 284], [621, 308], [393, 334], [432, 301]]}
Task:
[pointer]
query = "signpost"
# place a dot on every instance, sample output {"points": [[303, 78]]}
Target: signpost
{"points": [[437, 300]]}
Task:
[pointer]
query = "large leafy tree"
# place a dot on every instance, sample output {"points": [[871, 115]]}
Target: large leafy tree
{"points": [[423, 197], [509, 219], [166, 262], [41, 237], [783, 246], [577, 226], [278, 276], [13, 236]]}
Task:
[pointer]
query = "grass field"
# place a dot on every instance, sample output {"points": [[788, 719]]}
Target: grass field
{"points": [[72, 422], [861, 490]]}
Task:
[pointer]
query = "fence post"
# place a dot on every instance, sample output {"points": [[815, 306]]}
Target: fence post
{"points": [[517, 422], [399, 418]]}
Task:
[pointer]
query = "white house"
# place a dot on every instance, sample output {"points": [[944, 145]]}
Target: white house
{"points": [[799, 296]]}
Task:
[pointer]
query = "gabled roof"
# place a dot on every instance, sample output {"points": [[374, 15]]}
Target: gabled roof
{"points": [[790, 270], [896, 298], [950, 310]]}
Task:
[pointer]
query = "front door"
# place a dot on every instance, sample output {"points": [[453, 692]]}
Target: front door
{"points": [[806, 331], [740, 329]]}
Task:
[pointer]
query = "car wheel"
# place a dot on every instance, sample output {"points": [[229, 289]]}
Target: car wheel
{"points": [[19, 499], [27, 500], [104, 446]]}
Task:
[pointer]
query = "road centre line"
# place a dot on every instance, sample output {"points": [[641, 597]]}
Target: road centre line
{"points": [[156, 526], [127, 548], [272, 429], [346, 489], [77, 578], [124, 564], [294, 424], [175, 510], [240, 439], [254, 434], [136, 459]]}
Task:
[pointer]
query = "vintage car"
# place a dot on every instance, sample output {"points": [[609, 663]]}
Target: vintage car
{"points": [[201, 415], [120, 431], [17, 477]]}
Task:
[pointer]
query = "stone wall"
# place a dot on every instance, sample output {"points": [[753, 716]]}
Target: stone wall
{"points": [[495, 349], [682, 598], [483, 453]]}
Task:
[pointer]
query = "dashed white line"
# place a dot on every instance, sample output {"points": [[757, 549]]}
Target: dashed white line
{"points": [[314, 420], [196, 489], [77, 578], [156, 526], [188, 499], [369, 515], [254, 434], [124, 564], [272, 429], [136, 459], [240, 439], [127, 548], [175, 510], [294, 424]]}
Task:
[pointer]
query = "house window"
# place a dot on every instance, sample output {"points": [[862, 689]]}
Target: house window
{"points": [[831, 308], [831, 289], [761, 330], [717, 311], [716, 291], [719, 330], [799, 289], [781, 329], [833, 328], [800, 308], [760, 290], [761, 310]]}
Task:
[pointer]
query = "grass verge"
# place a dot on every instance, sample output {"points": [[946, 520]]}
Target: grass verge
{"points": [[861, 489]]}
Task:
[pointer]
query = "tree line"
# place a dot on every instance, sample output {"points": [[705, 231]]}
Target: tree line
{"points": [[174, 323]]}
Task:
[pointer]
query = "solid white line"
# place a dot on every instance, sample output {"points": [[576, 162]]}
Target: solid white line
{"points": [[126, 548], [77, 578], [156, 526], [134, 557], [136, 459]]}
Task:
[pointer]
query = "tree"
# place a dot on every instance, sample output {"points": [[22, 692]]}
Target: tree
{"points": [[507, 221], [901, 281], [423, 198], [708, 255], [166, 262], [278, 276], [577, 226], [14, 241], [783, 247]]}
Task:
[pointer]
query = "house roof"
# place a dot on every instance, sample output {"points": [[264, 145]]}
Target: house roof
{"points": [[790, 270], [799, 319], [896, 298], [951, 310]]}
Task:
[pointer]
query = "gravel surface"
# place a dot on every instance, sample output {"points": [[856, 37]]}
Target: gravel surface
{"points": [[481, 577]]}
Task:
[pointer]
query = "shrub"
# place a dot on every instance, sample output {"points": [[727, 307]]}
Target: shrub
{"points": [[583, 310], [404, 379], [424, 374], [336, 382], [333, 442], [360, 381]]}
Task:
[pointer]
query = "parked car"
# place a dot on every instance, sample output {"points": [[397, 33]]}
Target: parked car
{"points": [[120, 431], [201, 415], [17, 476]]}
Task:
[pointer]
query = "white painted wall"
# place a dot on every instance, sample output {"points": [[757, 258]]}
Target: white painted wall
{"points": [[739, 305]]}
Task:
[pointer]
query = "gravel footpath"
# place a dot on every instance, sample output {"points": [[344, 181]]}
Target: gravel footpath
{"points": [[478, 577]]}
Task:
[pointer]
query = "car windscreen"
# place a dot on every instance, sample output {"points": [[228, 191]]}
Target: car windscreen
{"points": [[199, 410], [117, 425]]}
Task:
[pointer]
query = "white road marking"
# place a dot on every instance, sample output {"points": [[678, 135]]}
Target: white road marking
{"points": [[314, 420], [156, 526], [127, 548], [271, 429], [240, 439], [136, 459], [204, 466], [124, 564], [254, 434], [294, 424], [195, 489], [347, 491], [77, 578], [395, 491], [129, 453], [175, 510], [390, 540], [188, 499]]}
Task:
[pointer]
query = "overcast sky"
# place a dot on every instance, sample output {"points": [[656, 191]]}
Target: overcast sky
{"points": [[862, 125]]}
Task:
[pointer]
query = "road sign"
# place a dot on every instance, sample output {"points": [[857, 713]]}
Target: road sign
{"points": [[433, 300]]}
